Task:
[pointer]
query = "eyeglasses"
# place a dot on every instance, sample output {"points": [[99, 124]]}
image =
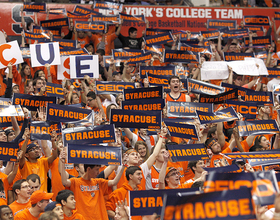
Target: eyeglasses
{"points": [[25, 187], [33, 149], [174, 174]]}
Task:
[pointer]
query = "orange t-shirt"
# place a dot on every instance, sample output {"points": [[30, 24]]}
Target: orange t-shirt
{"points": [[89, 195], [56, 179], [182, 98], [185, 172], [216, 158], [154, 177], [124, 180], [17, 207], [83, 41], [25, 214], [109, 42], [40, 168], [75, 215]]}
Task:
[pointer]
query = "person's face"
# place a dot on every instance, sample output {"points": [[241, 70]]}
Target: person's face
{"points": [[34, 186], [133, 158], [39, 84], [241, 165], [118, 77], [173, 178], [92, 102], [142, 150], [175, 85], [264, 142], [75, 99], [100, 57], [41, 74], [143, 131], [7, 214], [27, 71], [15, 89], [43, 204], [25, 190], [133, 34], [160, 155], [81, 168], [199, 166], [11, 136], [245, 2], [34, 153], [137, 177], [93, 172], [120, 99], [264, 88], [81, 34], [59, 211], [70, 203], [232, 48], [238, 81], [3, 136], [90, 48], [216, 148], [202, 59], [267, 110]]}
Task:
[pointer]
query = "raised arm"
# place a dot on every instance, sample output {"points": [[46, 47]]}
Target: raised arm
{"points": [[161, 178]]}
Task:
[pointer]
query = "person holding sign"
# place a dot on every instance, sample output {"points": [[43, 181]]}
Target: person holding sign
{"points": [[175, 94]]}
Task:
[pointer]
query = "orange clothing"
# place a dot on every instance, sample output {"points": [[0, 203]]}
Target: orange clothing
{"points": [[89, 196], [182, 98], [123, 180], [109, 42], [182, 186], [154, 177], [3, 86], [40, 168], [120, 194], [216, 158], [75, 215], [56, 179], [82, 41], [216, 82], [6, 185], [182, 167], [17, 207], [25, 215]]}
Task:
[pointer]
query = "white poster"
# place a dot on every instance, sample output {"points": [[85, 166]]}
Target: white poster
{"points": [[242, 67], [10, 53], [42, 54], [260, 65], [214, 70], [84, 65], [63, 70]]}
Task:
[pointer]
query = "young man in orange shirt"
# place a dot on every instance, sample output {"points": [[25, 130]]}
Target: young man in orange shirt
{"points": [[175, 94], [67, 200], [23, 192], [39, 200]]}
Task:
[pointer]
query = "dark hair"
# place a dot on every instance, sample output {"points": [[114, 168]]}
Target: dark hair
{"points": [[197, 184], [256, 147], [90, 166], [49, 215], [17, 185], [211, 131], [100, 51], [228, 133], [22, 71], [173, 77], [2, 207], [33, 177], [37, 79], [108, 110], [73, 93], [36, 74], [258, 140], [192, 164], [91, 94], [63, 195], [146, 146], [131, 30], [131, 170]]}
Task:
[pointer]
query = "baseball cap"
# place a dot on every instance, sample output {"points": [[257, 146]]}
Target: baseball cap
{"points": [[169, 169], [51, 206], [40, 195]]}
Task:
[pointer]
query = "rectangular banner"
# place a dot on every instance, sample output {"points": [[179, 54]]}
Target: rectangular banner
{"points": [[227, 114], [245, 68], [75, 16], [236, 56], [80, 51], [185, 45], [8, 151], [225, 169], [144, 105], [55, 23], [42, 130], [143, 93], [186, 206], [10, 53], [220, 98], [151, 31], [210, 35], [32, 102], [199, 87], [258, 41], [260, 97], [125, 54], [11, 110], [217, 23], [256, 20], [5, 101], [187, 109], [106, 87], [273, 72], [96, 135], [151, 201], [107, 5], [263, 184], [276, 15], [34, 36], [34, 7], [140, 59], [91, 27], [247, 109], [159, 39], [235, 34], [157, 70], [134, 18], [241, 91], [53, 89], [254, 28], [94, 154], [260, 162], [84, 11], [84, 65], [214, 70], [158, 80], [249, 128], [266, 154], [180, 56], [136, 119], [179, 130], [154, 49], [64, 113], [262, 70], [113, 19], [66, 44]]}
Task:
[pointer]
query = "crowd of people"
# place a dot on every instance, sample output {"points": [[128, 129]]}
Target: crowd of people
{"points": [[42, 185]]}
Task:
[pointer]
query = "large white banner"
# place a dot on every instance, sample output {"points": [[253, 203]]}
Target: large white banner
{"points": [[84, 65], [262, 70], [10, 53], [63, 70], [214, 70], [242, 67]]}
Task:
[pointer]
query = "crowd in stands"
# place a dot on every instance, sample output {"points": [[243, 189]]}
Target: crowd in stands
{"points": [[42, 185]]}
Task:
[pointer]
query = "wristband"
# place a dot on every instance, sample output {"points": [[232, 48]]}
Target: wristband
{"points": [[163, 137]]}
